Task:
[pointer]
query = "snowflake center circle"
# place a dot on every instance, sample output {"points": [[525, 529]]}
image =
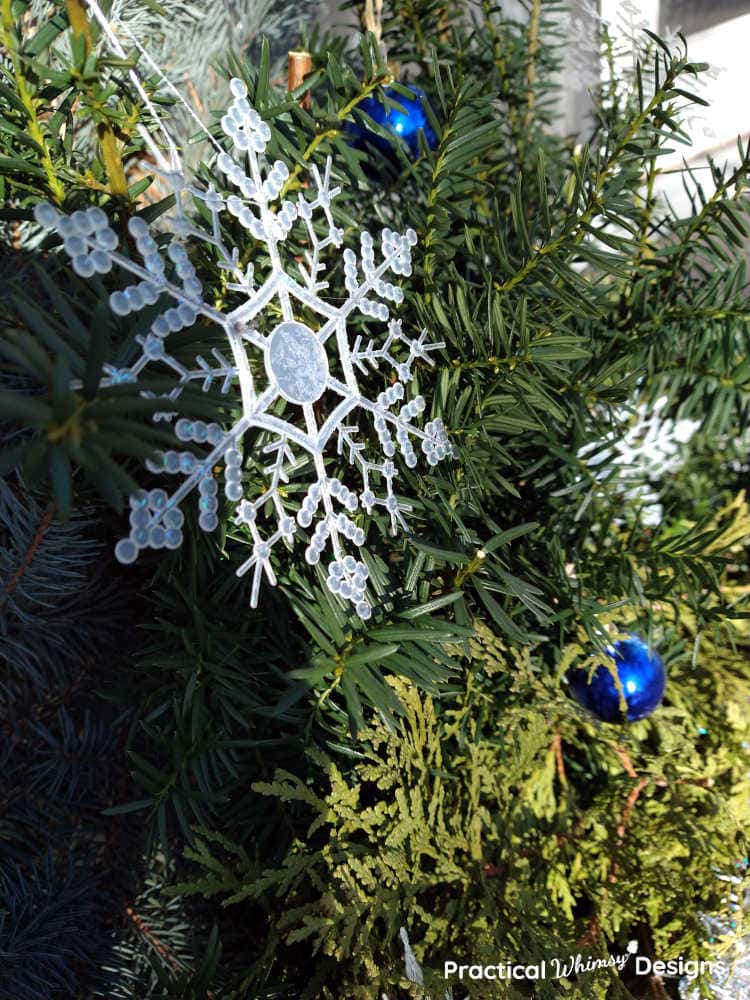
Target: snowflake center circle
{"points": [[296, 361]]}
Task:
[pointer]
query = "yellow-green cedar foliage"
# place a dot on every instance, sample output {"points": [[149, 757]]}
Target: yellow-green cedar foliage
{"points": [[503, 824]]}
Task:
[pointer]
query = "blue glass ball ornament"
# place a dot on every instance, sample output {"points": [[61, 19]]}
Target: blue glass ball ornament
{"points": [[407, 123], [641, 674]]}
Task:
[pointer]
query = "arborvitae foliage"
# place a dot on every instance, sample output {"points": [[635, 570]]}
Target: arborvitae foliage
{"points": [[430, 769], [483, 835]]}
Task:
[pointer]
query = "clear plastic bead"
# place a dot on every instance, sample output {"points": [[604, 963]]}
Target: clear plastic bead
{"points": [[126, 551], [184, 429], [208, 522], [83, 266], [81, 222], [174, 518], [187, 314], [158, 536], [137, 228], [75, 246], [172, 317], [157, 500], [172, 538], [139, 518], [101, 261], [65, 226], [106, 239], [46, 215], [154, 263], [97, 218], [149, 294], [177, 253], [160, 327], [134, 297]]}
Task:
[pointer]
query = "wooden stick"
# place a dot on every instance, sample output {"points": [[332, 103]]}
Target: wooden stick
{"points": [[300, 66], [372, 19]]}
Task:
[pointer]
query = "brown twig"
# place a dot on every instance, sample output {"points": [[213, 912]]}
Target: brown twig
{"points": [[490, 870], [626, 762], [162, 949], [142, 927], [197, 102], [657, 987], [594, 926], [592, 933], [623, 824], [559, 762], [28, 558]]}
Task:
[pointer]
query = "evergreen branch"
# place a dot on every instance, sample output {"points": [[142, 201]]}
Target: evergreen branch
{"points": [[28, 556], [54, 183], [293, 180], [577, 228], [163, 950], [699, 225]]}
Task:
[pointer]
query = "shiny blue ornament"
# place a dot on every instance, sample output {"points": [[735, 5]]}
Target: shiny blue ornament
{"points": [[407, 123], [641, 674]]}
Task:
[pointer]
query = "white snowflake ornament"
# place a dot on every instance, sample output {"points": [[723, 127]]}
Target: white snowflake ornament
{"points": [[296, 360], [652, 448]]}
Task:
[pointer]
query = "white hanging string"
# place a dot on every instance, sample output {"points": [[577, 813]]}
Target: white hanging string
{"points": [[170, 86], [174, 161]]}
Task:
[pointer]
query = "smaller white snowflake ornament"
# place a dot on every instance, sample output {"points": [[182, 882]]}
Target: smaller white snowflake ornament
{"points": [[310, 360], [652, 448]]}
